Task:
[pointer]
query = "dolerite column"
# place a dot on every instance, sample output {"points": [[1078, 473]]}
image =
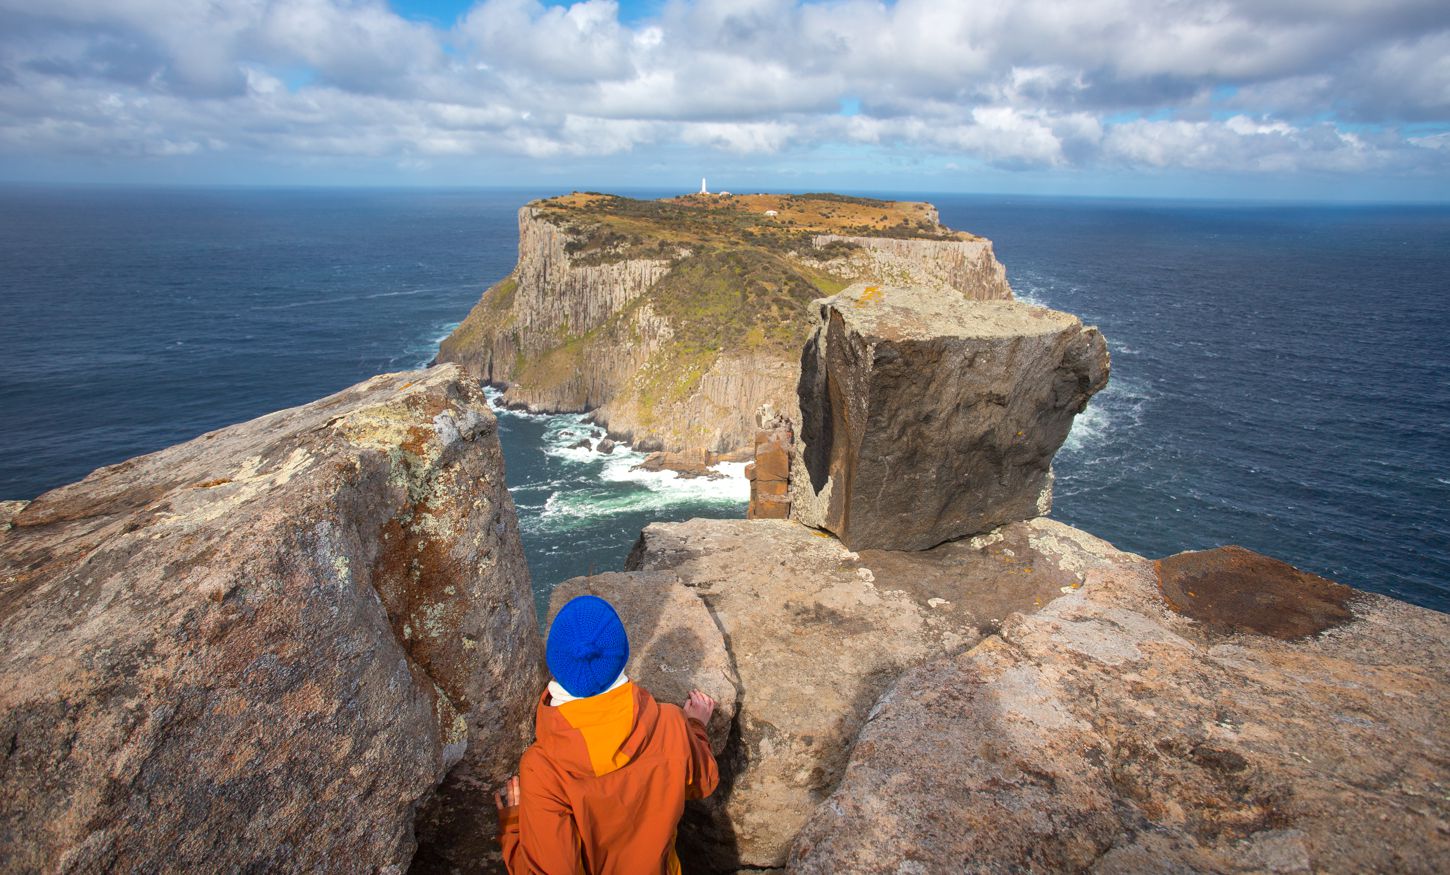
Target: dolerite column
{"points": [[927, 417], [769, 473]]}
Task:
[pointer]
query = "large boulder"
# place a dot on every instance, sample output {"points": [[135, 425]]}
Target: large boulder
{"points": [[816, 633], [264, 648], [1110, 732], [928, 417], [674, 644]]}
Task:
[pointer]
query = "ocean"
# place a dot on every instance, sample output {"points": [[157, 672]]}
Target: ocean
{"points": [[1280, 375]]}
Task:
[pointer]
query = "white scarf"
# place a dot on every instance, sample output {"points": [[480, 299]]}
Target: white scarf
{"points": [[558, 695]]}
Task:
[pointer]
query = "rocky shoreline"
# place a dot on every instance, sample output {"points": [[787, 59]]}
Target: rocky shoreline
{"points": [[308, 642]]}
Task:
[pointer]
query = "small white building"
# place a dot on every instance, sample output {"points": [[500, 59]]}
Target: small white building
{"points": [[772, 213]]}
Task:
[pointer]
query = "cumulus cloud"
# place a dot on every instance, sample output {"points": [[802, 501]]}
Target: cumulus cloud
{"points": [[1268, 86]]}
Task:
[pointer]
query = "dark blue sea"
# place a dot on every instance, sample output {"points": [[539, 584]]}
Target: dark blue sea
{"points": [[1281, 377]]}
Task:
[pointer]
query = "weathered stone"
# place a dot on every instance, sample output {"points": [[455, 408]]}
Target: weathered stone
{"points": [[263, 648], [1106, 732], [8, 511], [770, 489], [768, 507], [927, 417], [674, 644], [1230, 589], [817, 633], [606, 446], [691, 463], [769, 471], [772, 462]]}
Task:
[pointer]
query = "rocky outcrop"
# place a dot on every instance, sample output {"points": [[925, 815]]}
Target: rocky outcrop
{"points": [[928, 417], [817, 633], [8, 511], [578, 327], [967, 266], [689, 464], [674, 644], [263, 649], [1109, 733]]}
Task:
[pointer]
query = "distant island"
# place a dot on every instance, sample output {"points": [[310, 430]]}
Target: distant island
{"points": [[674, 320]]}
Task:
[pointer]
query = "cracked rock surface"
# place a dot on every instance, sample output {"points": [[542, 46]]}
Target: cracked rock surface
{"points": [[816, 633], [1111, 732]]}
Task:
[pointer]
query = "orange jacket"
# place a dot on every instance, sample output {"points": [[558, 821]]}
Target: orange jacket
{"points": [[602, 788]]}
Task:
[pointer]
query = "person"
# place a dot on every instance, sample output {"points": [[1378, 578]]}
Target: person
{"points": [[602, 787]]}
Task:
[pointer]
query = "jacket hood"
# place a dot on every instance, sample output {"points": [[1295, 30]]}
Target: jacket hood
{"points": [[599, 734]]}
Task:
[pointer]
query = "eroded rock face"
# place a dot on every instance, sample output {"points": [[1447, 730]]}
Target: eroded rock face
{"points": [[928, 417], [965, 266], [817, 633], [264, 648], [674, 644], [1108, 733]]}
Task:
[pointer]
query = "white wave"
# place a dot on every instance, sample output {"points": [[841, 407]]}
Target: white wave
{"points": [[1118, 408], [599, 485], [732, 487], [1031, 296], [429, 347], [495, 401], [571, 509], [407, 292]]}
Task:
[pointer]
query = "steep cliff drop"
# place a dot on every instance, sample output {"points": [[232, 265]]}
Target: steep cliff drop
{"points": [[263, 649], [675, 320]]}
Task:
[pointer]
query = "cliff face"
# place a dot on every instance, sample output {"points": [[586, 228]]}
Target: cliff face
{"points": [[674, 321], [969, 266], [263, 649]]}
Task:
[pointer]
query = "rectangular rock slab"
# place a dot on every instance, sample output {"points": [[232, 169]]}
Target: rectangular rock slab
{"points": [[927, 417]]}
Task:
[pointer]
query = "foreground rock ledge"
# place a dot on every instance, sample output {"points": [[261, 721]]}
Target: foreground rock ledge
{"points": [[1109, 733], [263, 649], [928, 417], [816, 634]]}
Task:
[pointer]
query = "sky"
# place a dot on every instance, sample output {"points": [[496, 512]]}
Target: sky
{"points": [[1287, 99]]}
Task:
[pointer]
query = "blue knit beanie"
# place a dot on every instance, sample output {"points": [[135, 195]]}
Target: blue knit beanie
{"points": [[587, 647]]}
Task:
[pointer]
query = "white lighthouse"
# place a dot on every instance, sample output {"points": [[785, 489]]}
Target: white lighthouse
{"points": [[703, 189]]}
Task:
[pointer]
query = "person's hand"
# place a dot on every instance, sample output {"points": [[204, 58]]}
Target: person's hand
{"points": [[699, 706], [509, 796]]}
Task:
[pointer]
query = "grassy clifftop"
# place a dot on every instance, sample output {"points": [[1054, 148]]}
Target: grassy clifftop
{"points": [[608, 227]]}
